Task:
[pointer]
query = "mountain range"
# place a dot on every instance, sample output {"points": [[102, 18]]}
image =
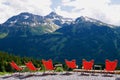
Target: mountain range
{"points": [[56, 37]]}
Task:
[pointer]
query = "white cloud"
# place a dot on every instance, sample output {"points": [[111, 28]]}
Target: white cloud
{"points": [[9, 8], [99, 9]]}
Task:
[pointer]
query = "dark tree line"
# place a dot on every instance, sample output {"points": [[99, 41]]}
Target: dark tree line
{"points": [[6, 58]]}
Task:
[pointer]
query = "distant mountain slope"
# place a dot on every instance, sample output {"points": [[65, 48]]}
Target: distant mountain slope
{"points": [[90, 40], [27, 24]]}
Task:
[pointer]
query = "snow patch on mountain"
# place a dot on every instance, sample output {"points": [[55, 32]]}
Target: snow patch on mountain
{"points": [[26, 17], [12, 22]]}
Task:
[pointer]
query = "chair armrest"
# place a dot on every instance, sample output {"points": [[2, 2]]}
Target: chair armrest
{"points": [[55, 68], [39, 68], [82, 67], [76, 66]]}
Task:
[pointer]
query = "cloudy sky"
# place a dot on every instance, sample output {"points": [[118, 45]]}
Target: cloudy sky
{"points": [[105, 10]]}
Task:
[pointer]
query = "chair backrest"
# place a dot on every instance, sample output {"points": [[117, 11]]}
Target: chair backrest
{"points": [[110, 65], [87, 65], [15, 66], [71, 64], [48, 64], [30, 66]]}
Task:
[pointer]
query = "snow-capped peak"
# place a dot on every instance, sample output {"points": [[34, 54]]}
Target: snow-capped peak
{"points": [[83, 19], [53, 15], [57, 19]]}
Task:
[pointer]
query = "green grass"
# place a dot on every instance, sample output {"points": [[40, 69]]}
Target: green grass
{"points": [[3, 73], [59, 69], [3, 35]]}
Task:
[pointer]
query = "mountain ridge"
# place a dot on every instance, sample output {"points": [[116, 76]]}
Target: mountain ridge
{"points": [[82, 38], [28, 23]]}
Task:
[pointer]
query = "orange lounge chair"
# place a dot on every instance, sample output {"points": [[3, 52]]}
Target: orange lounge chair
{"points": [[71, 64], [87, 66], [16, 67], [48, 65], [110, 66], [31, 67]]}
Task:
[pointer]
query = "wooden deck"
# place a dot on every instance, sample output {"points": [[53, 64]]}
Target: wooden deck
{"points": [[97, 71]]}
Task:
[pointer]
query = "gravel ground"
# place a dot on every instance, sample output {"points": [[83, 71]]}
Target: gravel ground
{"points": [[59, 76]]}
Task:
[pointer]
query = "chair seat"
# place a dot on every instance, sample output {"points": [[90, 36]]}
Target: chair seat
{"points": [[71, 64], [48, 65], [31, 67], [15, 66]]}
